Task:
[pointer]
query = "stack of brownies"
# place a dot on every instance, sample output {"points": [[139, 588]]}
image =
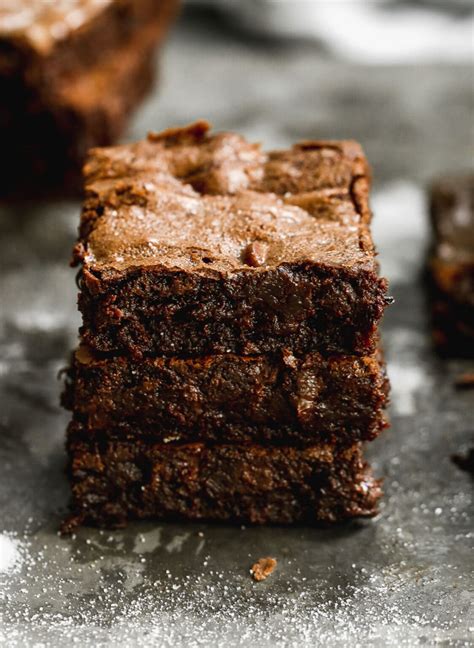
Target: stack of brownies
{"points": [[70, 73], [229, 365]]}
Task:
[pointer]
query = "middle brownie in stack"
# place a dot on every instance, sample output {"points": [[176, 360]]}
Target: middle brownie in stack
{"points": [[229, 364]]}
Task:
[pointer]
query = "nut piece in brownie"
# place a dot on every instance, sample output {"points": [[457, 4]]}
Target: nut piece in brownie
{"points": [[195, 244], [451, 263], [119, 480], [58, 97], [228, 398]]}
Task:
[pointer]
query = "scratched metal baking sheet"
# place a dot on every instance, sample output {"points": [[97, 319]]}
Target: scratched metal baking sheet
{"points": [[402, 579]]}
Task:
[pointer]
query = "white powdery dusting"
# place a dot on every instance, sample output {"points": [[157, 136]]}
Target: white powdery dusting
{"points": [[408, 374], [92, 590], [405, 381], [365, 30], [230, 615], [10, 554], [400, 229]]}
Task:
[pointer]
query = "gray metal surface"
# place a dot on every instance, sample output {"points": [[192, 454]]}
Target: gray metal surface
{"points": [[403, 579]]}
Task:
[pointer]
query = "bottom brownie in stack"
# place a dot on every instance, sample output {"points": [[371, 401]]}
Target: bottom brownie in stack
{"points": [[115, 481]]}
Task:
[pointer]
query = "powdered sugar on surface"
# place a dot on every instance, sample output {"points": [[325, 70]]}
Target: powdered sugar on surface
{"points": [[10, 553], [92, 590], [400, 229]]}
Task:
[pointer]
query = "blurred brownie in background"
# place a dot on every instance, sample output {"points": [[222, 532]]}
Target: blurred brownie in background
{"points": [[70, 75], [451, 264]]}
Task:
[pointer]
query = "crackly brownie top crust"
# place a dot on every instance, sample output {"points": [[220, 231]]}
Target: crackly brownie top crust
{"points": [[452, 211], [188, 200], [42, 24]]}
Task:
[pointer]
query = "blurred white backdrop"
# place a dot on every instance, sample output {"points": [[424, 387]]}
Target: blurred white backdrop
{"points": [[366, 31]]}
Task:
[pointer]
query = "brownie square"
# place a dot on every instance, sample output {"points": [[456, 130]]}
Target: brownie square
{"points": [[59, 96], [451, 263], [194, 244], [43, 42], [228, 399], [119, 480]]}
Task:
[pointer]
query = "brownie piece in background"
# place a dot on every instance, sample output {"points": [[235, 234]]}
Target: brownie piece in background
{"points": [[451, 264], [70, 74], [228, 398], [187, 250]]}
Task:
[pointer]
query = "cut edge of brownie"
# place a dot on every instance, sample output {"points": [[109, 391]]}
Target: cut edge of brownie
{"points": [[184, 314]]}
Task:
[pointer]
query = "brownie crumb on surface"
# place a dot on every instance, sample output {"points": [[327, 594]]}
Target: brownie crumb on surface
{"points": [[70, 524], [263, 568]]}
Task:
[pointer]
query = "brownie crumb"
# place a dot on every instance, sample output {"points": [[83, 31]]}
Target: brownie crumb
{"points": [[70, 524], [465, 462], [263, 568], [465, 381]]}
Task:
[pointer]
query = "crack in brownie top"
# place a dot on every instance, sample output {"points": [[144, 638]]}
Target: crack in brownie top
{"points": [[189, 200]]}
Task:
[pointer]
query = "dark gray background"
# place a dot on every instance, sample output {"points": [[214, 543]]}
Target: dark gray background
{"points": [[403, 579]]}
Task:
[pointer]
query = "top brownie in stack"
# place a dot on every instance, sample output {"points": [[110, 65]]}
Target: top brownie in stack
{"points": [[194, 244]]}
